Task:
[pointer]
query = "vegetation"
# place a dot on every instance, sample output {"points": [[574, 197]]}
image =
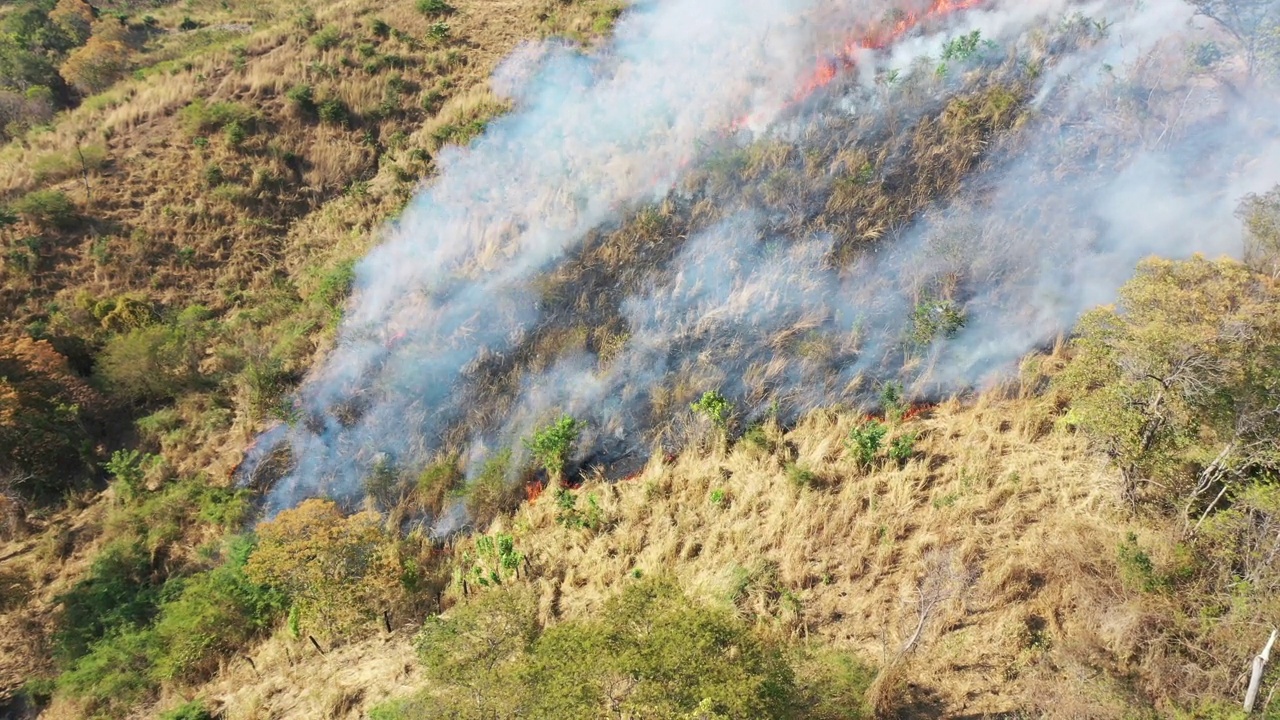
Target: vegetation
{"points": [[186, 194]]}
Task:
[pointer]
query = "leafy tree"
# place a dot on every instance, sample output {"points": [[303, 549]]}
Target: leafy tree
{"points": [[48, 418], [1261, 217], [716, 408], [1179, 384], [552, 445], [101, 61], [865, 440], [339, 571], [1253, 24]]}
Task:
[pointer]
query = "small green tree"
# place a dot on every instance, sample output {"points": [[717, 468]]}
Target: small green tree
{"points": [[716, 408], [865, 440], [553, 445]]}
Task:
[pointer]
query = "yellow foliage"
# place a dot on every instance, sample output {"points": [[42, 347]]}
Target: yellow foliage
{"points": [[100, 62]]}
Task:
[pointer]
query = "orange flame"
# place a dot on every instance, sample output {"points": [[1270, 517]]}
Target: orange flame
{"points": [[875, 37]]}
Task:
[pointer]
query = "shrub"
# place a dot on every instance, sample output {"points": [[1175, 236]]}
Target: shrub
{"points": [[569, 515], [933, 318], [436, 483], [116, 595], [434, 7], [48, 208], [97, 64], [552, 445], [333, 111], [380, 28], [491, 494], [236, 133], [893, 402], [439, 31], [328, 37], [201, 116], [154, 363], [864, 442], [801, 477], [903, 448], [716, 408], [48, 417], [193, 710], [302, 97], [338, 571]]}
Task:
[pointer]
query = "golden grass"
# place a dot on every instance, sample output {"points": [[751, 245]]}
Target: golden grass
{"points": [[1009, 528]]}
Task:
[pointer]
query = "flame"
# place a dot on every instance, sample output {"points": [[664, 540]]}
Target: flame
{"points": [[874, 37]]}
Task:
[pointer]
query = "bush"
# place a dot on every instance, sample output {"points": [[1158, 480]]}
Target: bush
{"points": [[903, 448], [552, 445], [154, 363], [301, 97], [48, 419], [491, 494], [801, 477], [439, 31], [333, 111], [48, 208], [936, 318], [201, 116], [339, 571], [569, 515], [193, 710], [434, 7], [328, 37], [716, 408], [864, 442], [99, 63], [117, 595], [436, 483]]}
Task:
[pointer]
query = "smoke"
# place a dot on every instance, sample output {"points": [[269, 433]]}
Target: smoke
{"points": [[1126, 148]]}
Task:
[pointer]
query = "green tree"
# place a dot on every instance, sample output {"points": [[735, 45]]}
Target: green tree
{"points": [[1178, 384], [716, 408], [553, 445], [339, 571]]}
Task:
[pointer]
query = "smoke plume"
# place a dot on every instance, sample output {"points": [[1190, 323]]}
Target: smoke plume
{"points": [[749, 189]]}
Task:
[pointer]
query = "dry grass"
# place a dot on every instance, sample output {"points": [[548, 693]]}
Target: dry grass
{"points": [[1002, 529]]}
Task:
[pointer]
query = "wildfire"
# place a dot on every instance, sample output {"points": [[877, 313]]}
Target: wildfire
{"points": [[874, 37]]}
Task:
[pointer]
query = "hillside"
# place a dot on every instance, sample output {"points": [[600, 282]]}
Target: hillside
{"points": [[562, 359]]}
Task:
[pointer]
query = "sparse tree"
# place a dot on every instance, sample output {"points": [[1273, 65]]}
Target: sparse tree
{"points": [[1253, 24]]}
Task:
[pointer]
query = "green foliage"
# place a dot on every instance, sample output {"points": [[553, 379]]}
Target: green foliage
{"points": [[202, 116], [439, 31], [494, 561], [112, 677], [935, 318], [800, 476], [436, 484], [192, 710], [433, 7], [1136, 567], [864, 442], [832, 685], [48, 209], [339, 571], [716, 408], [129, 468], [1177, 386], [302, 97], [491, 493], [569, 515], [117, 595], [903, 447], [893, 401], [650, 653], [333, 111], [552, 445], [155, 363], [1260, 215], [719, 497], [328, 38]]}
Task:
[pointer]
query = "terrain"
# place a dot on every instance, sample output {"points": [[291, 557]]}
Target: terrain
{"points": [[555, 358]]}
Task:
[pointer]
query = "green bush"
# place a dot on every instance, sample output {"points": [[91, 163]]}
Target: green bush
{"points": [[491, 494], [716, 408], [436, 484], [903, 448], [155, 363], [434, 7], [48, 208], [552, 445], [800, 476], [439, 31], [328, 37], [201, 116], [936, 318], [864, 442], [116, 595], [333, 111], [302, 97], [193, 710], [569, 515]]}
